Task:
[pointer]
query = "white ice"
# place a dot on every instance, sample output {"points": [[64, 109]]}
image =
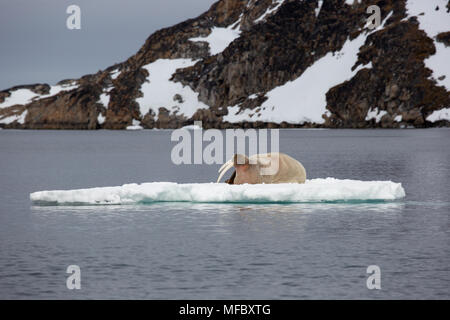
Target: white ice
{"points": [[315, 190]]}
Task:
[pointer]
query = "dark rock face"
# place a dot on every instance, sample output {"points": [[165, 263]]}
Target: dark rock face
{"points": [[74, 110], [268, 53], [444, 37], [398, 82], [272, 53]]}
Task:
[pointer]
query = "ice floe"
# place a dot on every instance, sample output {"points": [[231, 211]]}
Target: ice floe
{"points": [[315, 190]]}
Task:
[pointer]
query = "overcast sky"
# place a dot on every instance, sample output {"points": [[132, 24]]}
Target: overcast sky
{"points": [[36, 46]]}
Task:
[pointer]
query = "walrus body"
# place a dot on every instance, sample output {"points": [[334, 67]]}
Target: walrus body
{"points": [[264, 168]]}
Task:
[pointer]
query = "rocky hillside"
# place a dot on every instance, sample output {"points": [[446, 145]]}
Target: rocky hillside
{"points": [[264, 63]]}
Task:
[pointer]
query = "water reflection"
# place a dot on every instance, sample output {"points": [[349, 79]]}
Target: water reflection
{"points": [[211, 218], [215, 208]]}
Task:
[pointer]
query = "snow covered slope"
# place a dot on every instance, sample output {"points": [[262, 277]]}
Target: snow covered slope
{"points": [[303, 99], [24, 96], [220, 38], [159, 91], [434, 19], [278, 63]]}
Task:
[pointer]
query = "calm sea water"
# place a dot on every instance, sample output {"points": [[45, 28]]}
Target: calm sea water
{"points": [[224, 251]]}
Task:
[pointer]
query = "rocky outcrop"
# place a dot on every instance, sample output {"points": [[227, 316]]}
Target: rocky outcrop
{"points": [[398, 83], [278, 41]]}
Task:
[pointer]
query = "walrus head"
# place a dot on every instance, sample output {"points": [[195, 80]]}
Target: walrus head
{"points": [[248, 170]]}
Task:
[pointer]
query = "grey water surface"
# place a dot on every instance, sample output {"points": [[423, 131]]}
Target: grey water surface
{"points": [[224, 251]]}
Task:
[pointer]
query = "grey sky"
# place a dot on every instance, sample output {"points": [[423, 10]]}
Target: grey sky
{"points": [[36, 46]]}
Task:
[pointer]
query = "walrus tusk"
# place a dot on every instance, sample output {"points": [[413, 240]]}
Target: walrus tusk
{"points": [[226, 166]]}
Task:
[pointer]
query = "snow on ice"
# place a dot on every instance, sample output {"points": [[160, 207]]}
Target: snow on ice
{"points": [[315, 190]]}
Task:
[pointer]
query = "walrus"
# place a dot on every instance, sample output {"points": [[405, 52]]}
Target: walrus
{"points": [[263, 168]]}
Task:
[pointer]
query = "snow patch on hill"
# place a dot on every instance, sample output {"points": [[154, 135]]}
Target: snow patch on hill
{"points": [[101, 119], [25, 96], [433, 22], [303, 99], [319, 7], [115, 73], [438, 115], [104, 99], [220, 38], [158, 91], [375, 114], [19, 117], [274, 7], [20, 96], [136, 125]]}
